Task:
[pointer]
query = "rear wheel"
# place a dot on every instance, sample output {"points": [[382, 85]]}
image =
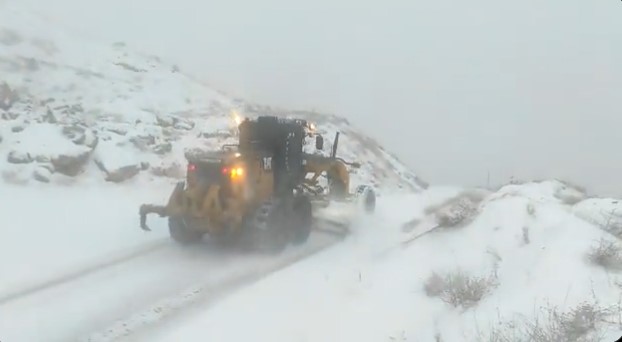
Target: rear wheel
{"points": [[266, 229], [302, 220], [181, 232]]}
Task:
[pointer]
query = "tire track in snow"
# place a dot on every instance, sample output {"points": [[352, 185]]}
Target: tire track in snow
{"points": [[142, 289], [81, 272], [98, 267], [201, 294]]}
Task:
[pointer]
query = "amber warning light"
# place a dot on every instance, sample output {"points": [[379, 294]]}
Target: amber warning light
{"points": [[235, 172]]}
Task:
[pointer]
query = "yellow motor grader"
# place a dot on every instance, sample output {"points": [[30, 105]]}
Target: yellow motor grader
{"points": [[259, 190]]}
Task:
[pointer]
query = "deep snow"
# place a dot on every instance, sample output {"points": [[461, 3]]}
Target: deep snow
{"points": [[129, 110], [74, 261], [48, 230], [356, 291], [534, 238]]}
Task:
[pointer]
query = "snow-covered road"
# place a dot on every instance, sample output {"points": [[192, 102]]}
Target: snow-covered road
{"points": [[65, 280], [138, 291]]}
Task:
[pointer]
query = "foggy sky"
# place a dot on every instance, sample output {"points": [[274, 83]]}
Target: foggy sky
{"points": [[457, 89]]}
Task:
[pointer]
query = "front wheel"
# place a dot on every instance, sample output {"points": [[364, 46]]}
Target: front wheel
{"points": [[181, 232], [366, 198]]}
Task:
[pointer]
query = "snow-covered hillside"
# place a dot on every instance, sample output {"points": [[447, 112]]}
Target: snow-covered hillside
{"points": [[72, 108], [533, 262], [539, 261]]}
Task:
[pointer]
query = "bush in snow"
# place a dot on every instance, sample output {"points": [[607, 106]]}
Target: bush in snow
{"points": [[580, 323], [607, 254], [459, 210], [459, 289], [613, 224]]}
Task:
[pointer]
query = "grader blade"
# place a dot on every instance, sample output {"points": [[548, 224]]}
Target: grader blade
{"points": [[339, 217], [331, 227]]}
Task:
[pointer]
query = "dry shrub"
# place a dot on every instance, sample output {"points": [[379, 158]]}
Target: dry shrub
{"points": [[606, 254], [459, 210], [460, 289], [613, 225], [580, 323]]}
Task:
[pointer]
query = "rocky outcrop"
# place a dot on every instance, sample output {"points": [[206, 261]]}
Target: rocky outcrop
{"points": [[117, 164], [175, 122], [163, 148], [42, 174], [170, 170], [80, 135], [66, 150], [70, 164], [19, 157], [122, 173]]}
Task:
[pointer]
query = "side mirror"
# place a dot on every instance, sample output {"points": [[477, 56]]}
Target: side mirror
{"points": [[319, 142]]}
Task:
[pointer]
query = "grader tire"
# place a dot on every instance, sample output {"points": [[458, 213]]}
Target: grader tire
{"points": [[181, 233], [302, 220], [265, 228], [366, 198]]}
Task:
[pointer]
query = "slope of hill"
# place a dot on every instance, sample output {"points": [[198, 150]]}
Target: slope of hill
{"points": [[71, 108]]}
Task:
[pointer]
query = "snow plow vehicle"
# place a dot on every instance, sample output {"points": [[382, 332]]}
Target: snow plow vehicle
{"points": [[258, 192]]}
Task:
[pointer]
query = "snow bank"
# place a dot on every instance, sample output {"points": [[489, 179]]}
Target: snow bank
{"points": [[525, 245]]}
